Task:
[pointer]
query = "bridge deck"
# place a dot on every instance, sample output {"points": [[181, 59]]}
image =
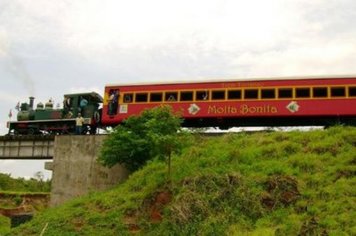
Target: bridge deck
{"points": [[26, 147]]}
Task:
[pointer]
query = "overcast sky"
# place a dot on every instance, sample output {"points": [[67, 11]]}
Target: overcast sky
{"points": [[49, 48]]}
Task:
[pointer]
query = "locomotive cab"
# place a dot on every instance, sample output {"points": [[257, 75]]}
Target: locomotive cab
{"points": [[85, 103], [88, 104]]}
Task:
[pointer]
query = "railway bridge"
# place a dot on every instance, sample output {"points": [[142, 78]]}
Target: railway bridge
{"points": [[75, 170], [27, 147]]}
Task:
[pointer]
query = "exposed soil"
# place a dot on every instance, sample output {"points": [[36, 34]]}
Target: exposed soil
{"points": [[160, 200], [17, 204], [153, 209], [280, 190], [131, 222]]}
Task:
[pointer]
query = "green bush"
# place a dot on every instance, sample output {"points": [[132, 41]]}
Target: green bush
{"points": [[153, 133]]}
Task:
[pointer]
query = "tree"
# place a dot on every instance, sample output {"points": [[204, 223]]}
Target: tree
{"points": [[154, 133], [39, 176]]}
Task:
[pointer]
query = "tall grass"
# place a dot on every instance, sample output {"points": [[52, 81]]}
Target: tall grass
{"points": [[269, 183]]}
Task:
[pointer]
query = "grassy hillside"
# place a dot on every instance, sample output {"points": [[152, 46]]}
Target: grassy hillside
{"points": [[4, 225], [270, 183]]}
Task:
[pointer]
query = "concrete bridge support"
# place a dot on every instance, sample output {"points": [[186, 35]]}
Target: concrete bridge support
{"points": [[76, 171]]}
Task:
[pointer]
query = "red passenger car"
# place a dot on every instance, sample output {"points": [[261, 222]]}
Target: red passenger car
{"points": [[259, 102]]}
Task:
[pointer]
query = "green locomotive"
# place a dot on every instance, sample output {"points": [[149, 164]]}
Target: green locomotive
{"points": [[45, 119]]}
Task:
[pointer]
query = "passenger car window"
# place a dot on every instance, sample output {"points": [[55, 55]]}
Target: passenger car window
{"points": [[128, 98], [156, 97], [285, 93], [352, 91], [268, 93], [302, 92], [234, 94], [218, 95], [171, 96], [320, 92], [141, 97], [338, 91], [251, 93], [186, 96], [202, 95]]}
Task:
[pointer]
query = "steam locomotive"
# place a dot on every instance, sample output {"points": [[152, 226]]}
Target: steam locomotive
{"points": [[292, 101], [45, 119]]}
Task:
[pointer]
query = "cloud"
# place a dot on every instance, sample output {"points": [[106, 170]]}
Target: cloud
{"points": [[308, 58], [182, 38]]}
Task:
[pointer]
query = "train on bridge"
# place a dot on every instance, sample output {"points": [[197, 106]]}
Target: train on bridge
{"points": [[292, 101]]}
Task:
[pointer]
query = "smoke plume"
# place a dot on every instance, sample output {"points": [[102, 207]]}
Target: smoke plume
{"points": [[19, 71], [15, 66]]}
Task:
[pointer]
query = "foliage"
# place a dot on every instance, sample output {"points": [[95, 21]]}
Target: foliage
{"points": [[4, 225], [141, 138], [35, 184], [267, 183]]}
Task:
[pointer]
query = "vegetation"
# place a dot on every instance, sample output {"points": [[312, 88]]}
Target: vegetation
{"points": [[267, 183], [141, 138], [13, 191], [4, 225], [34, 184]]}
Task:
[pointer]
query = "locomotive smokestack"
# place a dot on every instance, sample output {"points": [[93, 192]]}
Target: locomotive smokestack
{"points": [[31, 102]]}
